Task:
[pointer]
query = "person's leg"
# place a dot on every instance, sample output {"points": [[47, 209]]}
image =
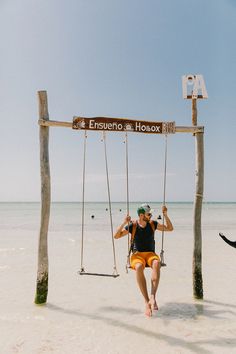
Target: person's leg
{"points": [[143, 287], [155, 277]]}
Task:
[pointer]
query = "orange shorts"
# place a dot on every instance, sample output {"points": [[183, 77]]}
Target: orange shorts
{"points": [[145, 258]]}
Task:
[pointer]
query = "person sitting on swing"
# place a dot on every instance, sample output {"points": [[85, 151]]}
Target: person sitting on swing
{"points": [[143, 250]]}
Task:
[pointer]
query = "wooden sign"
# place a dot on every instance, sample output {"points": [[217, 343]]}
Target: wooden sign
{"points": [[193, 87], [123, 124]]}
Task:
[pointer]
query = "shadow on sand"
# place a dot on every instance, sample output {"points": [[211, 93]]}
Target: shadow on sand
{"points": [[178, 310], [169, 311]]}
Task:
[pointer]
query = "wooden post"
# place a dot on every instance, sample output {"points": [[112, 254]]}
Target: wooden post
{"points": [[194, 111], [197, 252], [42, 274]]}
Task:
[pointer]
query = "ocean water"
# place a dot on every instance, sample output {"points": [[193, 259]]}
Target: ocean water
{"points": [[67, 216], [20, 222]]}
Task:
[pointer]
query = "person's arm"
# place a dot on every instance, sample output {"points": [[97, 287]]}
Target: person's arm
{"points": [[120, 232], [168, 226]]}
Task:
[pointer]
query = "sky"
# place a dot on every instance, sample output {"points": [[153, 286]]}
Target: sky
{"points": [[117, 58]]}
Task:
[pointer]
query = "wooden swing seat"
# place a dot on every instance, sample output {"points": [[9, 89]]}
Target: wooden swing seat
{"points": [[82, 272]]}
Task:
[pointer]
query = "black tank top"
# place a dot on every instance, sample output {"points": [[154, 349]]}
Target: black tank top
{"points": [[144, 237]]}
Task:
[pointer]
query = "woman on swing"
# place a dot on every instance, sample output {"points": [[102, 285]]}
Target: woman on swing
{"points": [[143, 250]]}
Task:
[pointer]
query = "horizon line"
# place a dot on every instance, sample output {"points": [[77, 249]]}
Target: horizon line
{"points": [[105, 201]]}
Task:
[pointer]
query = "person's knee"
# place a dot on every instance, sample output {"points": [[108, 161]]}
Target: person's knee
{"points": [[139, 267], [156, 265], [155, 270]]}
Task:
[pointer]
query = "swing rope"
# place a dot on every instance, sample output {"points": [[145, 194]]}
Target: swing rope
{"points": [[82, 270], [109, 202], [127, 197], [164, 202], [83, 193], [127, 173]]}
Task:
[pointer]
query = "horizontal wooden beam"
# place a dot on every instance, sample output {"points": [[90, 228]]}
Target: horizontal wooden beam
{"points": [[178, 129], [191, 129], [54, 123]]}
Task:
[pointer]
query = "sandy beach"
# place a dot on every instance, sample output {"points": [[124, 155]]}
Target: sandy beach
{"points": [[105, 315]]}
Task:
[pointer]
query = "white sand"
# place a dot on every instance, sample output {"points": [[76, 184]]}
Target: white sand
{"points": [[105, 315]]}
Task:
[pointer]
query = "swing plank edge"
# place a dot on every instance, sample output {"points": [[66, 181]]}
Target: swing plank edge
{"points": [[81, 272]]}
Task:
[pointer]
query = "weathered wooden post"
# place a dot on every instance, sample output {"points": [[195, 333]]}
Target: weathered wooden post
{"points": [[197, 84], [42, 274], [197, 224]]}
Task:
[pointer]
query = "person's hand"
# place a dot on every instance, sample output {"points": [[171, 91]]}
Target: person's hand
{"points": [[164, 210], [127, 219]]}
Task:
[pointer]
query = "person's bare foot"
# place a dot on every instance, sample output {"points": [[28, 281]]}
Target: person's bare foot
{"points": [[148, 309], [153, 304]]}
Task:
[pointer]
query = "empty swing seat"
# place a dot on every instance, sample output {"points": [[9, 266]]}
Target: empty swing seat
{"points": [[82, 272]]}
